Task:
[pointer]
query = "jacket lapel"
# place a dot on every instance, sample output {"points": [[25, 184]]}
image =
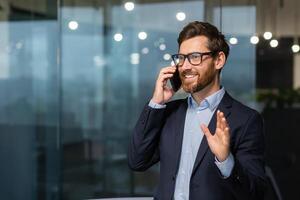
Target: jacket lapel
{"points": [[224, 106], [179, 130]]}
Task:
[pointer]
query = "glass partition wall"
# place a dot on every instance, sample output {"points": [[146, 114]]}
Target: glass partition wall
{"points": [[111, 53], [29, 103], [75, 75]]}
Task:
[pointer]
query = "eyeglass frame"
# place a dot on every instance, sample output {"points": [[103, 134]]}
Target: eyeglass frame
{"points": [[187, 56]]}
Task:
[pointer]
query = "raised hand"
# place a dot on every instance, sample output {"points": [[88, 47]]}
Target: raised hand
{"points": [[219, 143], [163, 93]]}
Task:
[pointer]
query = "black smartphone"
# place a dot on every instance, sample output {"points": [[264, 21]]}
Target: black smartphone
{"points": [[175, 81]]}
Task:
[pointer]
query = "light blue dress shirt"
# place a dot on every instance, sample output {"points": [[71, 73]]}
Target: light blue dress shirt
{"points": [[192, 137]]}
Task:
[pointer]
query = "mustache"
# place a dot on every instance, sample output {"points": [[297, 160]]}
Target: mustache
{"points": [[188, 72]]}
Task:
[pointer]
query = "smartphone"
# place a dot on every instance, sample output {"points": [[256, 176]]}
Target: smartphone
{"points": [[175, 81]]}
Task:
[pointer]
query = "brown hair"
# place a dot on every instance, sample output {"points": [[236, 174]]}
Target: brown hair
{"points": [[216, 40]]}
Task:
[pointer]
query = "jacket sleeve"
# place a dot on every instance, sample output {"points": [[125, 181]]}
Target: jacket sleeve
{"points": [[144, 144], [247, 179]]}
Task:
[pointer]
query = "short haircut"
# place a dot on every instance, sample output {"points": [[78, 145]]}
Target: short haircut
{"points": [[216, 40]]}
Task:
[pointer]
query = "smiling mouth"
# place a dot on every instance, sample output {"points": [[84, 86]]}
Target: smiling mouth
{"points": [[190, 76]]}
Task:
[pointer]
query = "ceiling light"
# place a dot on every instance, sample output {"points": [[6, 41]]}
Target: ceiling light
{"points": [[233, 40], [254, 39], [162, 47], [296, 48], [268, 35], [274, 43], [145, 50], [118, 37], [167, 57], [142, 35], [180, 16], [129, 6], [73, 25]]}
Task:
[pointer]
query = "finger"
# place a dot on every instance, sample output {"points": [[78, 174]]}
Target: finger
{"points": [[218, 119], [219, 132], [163, 78], [168, 70], [224, 123], [205, 131], [169, 67], [227, 131], [222, 118], [226, 138], [223, 135], [223, 126]]}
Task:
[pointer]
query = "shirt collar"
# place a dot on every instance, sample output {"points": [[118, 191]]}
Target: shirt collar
{"points": [[210, 102]]}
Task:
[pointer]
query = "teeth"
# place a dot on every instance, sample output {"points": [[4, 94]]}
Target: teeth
{"points": [[189, 76]]}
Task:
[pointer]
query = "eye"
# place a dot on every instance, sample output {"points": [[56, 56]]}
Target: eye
{"points": [[180, 57], [195, 56]]}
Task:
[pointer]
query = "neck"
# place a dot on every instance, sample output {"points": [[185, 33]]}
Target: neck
{"points": [[213, 87]]}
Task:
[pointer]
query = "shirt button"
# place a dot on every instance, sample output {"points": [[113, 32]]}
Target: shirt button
{"points": [[174, 177]]}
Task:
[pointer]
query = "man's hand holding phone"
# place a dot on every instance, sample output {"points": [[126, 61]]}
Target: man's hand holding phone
{"points": [[163, 93]]}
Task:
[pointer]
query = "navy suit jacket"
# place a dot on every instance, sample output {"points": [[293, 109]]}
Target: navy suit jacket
{"points": [[158, 137]]}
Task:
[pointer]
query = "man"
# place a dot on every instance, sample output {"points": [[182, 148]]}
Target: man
{"points": [[210, 146]]}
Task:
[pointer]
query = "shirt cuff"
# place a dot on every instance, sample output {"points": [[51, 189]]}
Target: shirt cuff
{"points": [[226, 166], [156, 105]]}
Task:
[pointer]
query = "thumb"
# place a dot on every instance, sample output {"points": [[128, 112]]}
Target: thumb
{"points": [[205, 130]]}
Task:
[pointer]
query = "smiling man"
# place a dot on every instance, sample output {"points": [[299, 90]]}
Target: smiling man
{"points": [[210, 146]]}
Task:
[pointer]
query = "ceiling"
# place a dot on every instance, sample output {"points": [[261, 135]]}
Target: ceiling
{"points": [[281, 17]]}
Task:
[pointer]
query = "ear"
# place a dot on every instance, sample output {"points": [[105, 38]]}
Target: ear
{"points": [[220, 60]]}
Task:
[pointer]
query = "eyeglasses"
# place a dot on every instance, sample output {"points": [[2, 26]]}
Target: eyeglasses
{"points": [[194, 58]]}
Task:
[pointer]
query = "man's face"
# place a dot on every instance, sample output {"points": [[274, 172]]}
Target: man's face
{"points": [[195, 78]]}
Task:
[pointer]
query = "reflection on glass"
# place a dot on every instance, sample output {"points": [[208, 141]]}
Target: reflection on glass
{"points": [[240, 22], [29, 137]]}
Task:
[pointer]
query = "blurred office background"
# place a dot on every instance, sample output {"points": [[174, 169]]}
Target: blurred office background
{"points": [[75, 74]]}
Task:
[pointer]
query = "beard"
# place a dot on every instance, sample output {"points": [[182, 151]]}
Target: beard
{"points": [[202, 81]]}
